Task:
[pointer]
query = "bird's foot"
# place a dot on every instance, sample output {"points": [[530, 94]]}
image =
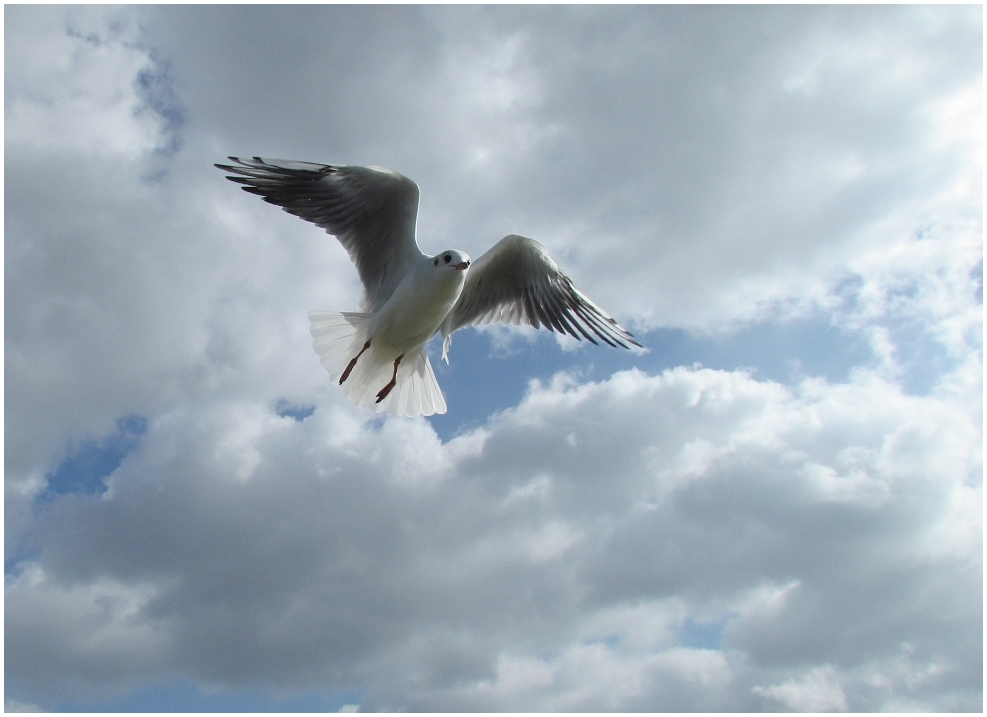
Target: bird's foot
{"points": [[346, 373], [394, 379]]}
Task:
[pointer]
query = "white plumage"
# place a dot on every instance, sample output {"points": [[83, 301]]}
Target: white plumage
{"points": [[378, 355]]}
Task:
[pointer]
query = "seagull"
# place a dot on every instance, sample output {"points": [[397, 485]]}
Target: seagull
{"points": [[378, 354]]}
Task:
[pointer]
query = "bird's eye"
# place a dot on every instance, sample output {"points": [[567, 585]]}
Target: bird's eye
{"points": [[447, 258]]}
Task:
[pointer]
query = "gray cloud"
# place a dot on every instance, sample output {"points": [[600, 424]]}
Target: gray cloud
{"points": [[695, 540], [249, 548]]}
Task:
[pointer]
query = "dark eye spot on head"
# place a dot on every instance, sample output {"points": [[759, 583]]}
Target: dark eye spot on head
{"points": [[447, 258], [436, 262]]}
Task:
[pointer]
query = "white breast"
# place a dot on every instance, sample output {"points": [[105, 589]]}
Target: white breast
{"points": [[417, 307]]}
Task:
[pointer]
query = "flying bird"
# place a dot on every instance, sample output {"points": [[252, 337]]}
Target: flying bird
{"points": [[378, 354]]}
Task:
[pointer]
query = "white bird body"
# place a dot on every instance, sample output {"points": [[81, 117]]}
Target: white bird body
{"points": [[421, 302], [400, 328], [378, 355]]}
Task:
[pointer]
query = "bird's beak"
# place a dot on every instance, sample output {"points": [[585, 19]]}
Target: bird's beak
{"points": [[461, 265]]}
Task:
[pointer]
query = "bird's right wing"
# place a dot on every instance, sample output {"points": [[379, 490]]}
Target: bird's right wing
{"points": [[515, 282], [371, 210]]}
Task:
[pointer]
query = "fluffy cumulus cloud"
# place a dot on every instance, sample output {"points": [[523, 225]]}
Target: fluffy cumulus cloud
{"points": [[692, 540], [193, 513]]}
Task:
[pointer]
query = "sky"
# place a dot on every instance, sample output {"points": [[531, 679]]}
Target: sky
{"points": [[776, 505]]}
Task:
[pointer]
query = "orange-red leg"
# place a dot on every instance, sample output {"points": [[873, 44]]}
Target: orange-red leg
{"points": [[346, 373], [394, 379]]}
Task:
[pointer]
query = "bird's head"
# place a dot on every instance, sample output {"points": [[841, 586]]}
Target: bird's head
{"points": [[452, 260]]}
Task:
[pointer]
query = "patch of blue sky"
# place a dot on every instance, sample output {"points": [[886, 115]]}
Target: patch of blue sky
{"points": [[285, 408], [155, 88], [479, 381], [921, 359], [702, 635], [183, 695], [17, 554], [86, 468], [84, 471]]}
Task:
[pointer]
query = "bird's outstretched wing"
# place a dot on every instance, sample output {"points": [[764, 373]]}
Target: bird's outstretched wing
{"points": [[371, 210], [517, 281]]}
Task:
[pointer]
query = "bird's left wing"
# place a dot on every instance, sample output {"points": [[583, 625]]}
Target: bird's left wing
{"points": [[517, 281], [371, 210]]}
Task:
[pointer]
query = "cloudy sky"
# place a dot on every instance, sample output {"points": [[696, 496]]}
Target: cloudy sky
{"points": [[777, 506]]}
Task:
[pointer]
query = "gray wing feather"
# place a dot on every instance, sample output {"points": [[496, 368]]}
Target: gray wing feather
{"points": [[371, 210], [517, 282]]}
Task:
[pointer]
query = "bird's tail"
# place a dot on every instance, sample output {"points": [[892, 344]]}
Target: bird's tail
{"points": [[340, 337], [336, 334]]}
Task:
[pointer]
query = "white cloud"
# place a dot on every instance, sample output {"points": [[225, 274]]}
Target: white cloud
{"points": [[15, 706], [350, 554], [72, 86], [827, 537], [104, 635], [818, 691]]}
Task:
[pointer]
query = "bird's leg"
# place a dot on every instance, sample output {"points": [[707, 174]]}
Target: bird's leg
{"points": [[346, 373], [394, 379]]}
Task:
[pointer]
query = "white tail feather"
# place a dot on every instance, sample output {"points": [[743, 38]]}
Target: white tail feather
{"points": [[339, 338], [335, 334]]}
